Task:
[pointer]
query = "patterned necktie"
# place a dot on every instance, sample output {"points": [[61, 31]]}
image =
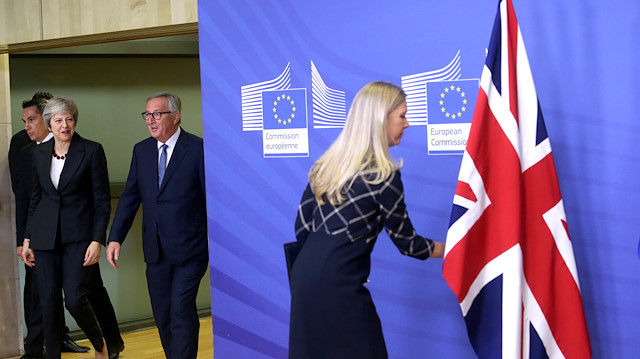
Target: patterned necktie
{"points": [[162, 165]]}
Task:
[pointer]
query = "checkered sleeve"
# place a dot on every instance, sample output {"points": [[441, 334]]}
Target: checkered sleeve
{"points": [[396, 220], [304, 218]]}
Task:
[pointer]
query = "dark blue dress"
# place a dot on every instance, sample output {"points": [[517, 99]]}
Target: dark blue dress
{"points": [[332, 314]]}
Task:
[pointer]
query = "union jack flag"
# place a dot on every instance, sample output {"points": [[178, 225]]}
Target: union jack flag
{"points": [[508, 256]]}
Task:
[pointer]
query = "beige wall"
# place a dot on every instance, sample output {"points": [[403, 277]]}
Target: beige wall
{"points": [[35, 20], [20, 21], [65, 18], [10, 319]]}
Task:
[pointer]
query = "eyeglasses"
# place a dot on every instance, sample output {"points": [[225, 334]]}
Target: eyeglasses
{"points": [[156, 114]]}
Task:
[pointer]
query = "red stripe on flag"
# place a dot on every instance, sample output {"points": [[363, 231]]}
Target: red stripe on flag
{"points": [[464, 190], [545, 270], [566, 227], [501, 177]]}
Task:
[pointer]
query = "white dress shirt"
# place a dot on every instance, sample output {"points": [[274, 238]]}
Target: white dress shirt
{"points": [[56, 169], [171, 144]]}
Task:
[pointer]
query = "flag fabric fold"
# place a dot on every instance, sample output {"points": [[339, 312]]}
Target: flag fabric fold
{"points": [[509, 258]]}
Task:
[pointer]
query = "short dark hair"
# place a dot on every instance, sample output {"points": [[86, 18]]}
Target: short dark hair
{"points": [[39, 99]]}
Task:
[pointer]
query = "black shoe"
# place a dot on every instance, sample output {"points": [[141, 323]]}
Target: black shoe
{"points": [[31, 356], [70, 346], [115, 349]]}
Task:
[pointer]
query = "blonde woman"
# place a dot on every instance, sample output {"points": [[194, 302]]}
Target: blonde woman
{"points": [[354, 191]]}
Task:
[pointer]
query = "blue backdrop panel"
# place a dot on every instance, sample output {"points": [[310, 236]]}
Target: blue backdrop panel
{"points": [[318, 55]]}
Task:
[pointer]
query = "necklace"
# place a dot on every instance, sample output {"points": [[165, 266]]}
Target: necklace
{"points": [[59, 157]]}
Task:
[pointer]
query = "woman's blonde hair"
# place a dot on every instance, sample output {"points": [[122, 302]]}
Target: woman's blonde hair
{"points": [[361, 149]]}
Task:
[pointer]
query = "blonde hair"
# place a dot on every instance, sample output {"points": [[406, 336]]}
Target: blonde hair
{"points": [[361, 149]]}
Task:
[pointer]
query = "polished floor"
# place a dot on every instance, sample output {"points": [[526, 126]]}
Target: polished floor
{"points": [[145, 344]]}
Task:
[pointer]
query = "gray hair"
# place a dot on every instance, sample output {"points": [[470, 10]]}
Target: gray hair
{"points": [[175, 105], [59, 105]]}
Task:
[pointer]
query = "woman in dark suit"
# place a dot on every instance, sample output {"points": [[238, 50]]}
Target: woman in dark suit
{"points": [[67, 223], [354, 191]]}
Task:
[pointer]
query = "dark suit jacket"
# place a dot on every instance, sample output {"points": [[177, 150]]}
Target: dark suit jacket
{"points": [[82, 202], [174, 219], [18, 141], [23, 190], [21, 179]]}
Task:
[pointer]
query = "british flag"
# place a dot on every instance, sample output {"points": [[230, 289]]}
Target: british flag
{"points": [[508, 256]]}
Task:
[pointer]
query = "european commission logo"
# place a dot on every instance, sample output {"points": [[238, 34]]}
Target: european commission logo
{"points": [[280, 112], [436, 99], [443, 103], [284, 123], [284, 109], [450, 106], [451, 101], [329, 104]]}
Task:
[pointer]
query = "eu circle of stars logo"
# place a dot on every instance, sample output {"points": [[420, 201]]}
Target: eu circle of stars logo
{"points": [[284, 109], [453, 102]]}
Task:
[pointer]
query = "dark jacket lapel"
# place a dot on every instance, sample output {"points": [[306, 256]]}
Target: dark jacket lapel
{"points": [[44, 150], [74, 158], [176, 157], [148, 164]]}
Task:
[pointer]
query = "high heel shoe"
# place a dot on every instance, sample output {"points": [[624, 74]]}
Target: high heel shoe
{"points": [[115, 349], [104, 354]]}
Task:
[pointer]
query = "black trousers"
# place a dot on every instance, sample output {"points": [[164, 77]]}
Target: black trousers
{"points": [[61, 269], [102, 307], [173, 290], [98, 297], [34, 342]]}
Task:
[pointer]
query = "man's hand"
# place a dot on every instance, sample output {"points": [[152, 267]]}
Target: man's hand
{"points": [[113, 254]]}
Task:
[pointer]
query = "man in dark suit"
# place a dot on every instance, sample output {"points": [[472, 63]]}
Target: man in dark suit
{"points": [[167, 178], [18, 141], [20, 161]]}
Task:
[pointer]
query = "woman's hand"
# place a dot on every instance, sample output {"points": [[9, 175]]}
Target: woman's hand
{"points": [[93, 254], [27, 254], [438, 250]]}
